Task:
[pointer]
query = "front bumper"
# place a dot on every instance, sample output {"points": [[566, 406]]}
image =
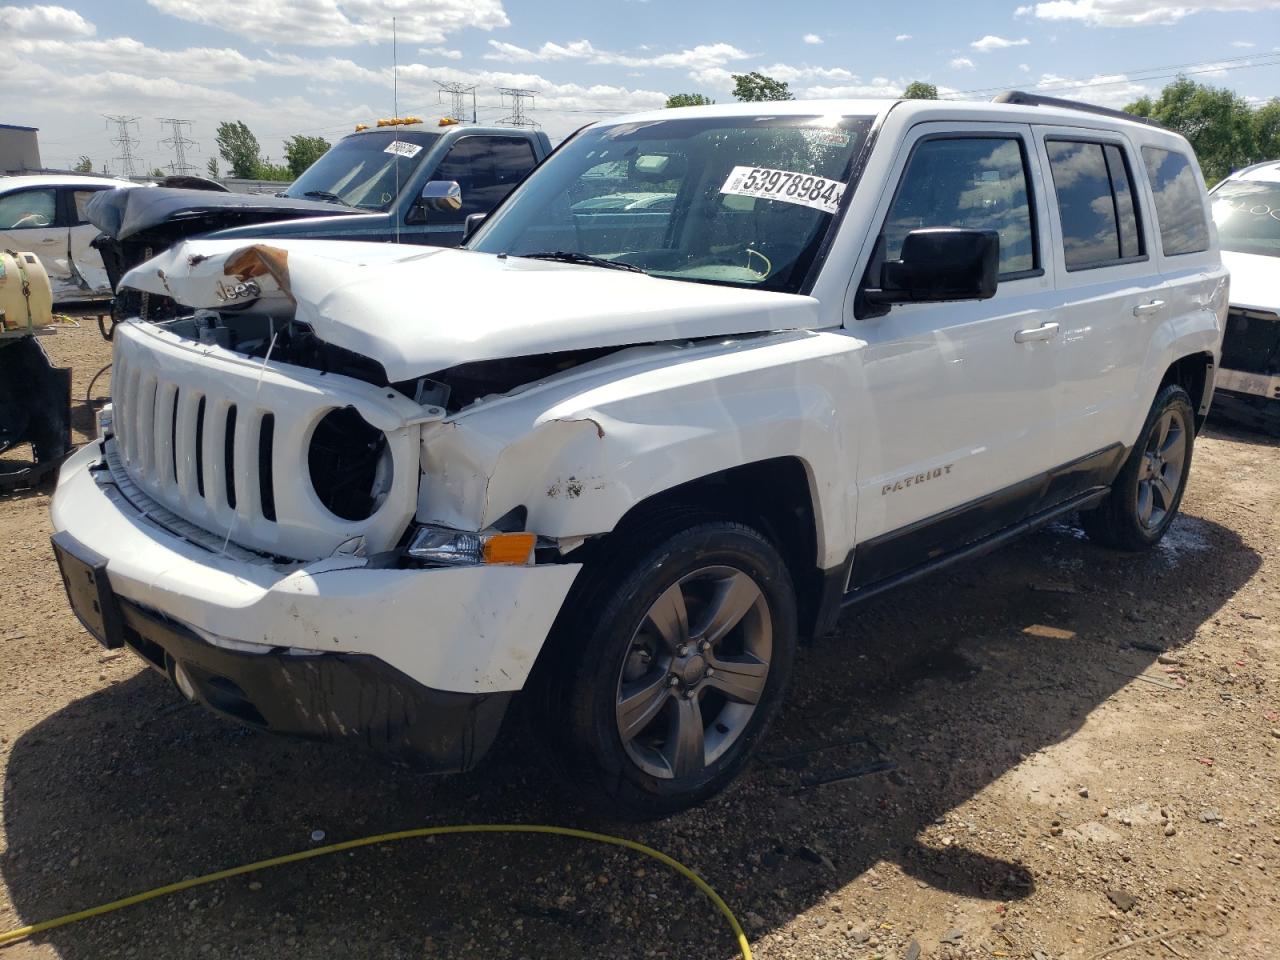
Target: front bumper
{"points": [[314, 647]]}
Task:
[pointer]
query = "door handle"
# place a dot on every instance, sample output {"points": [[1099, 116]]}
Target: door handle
{"points": [[1045, 331], [1145, 309]]}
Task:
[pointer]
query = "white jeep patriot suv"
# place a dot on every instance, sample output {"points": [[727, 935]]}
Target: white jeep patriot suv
{"points": [[705, 378]]}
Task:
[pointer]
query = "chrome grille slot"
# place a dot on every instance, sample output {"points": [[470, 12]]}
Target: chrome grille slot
{"points": [[221, 441]]}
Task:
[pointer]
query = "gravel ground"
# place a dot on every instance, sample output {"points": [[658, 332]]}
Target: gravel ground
{"points": [[1082, 751]]}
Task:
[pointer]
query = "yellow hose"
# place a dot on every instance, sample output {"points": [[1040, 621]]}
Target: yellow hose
{"points": [[676, 865]]}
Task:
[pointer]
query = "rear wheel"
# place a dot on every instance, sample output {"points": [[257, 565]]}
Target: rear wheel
{"points": [[1145, 497], [668, 675]]}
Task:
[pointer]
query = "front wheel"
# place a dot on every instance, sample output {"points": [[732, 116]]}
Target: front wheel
{"points": [[1146, 495], [666, 678]]}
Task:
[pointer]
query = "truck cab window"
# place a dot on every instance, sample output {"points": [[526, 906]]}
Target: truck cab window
{"points": [[487, 169]]}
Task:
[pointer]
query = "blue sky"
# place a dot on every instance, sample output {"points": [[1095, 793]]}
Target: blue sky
{"points": [[319, 66]]}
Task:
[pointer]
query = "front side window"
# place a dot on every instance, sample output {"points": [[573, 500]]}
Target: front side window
{"points": [[1179, 209], [366, 170], [738, 200], [978, 183], [486, 169], [1247, 213], [1094, 187], [28, 209], [80, 200]]}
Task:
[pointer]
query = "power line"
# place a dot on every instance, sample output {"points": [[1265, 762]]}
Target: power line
{"points": [[517, 117], [180, 167], [125, 142], [458, 95]]}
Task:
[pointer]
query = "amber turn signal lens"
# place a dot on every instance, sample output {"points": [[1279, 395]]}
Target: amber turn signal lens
{"points": [[509, 548]]}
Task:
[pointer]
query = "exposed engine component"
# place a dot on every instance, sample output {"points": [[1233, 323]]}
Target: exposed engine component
{"points": [[35, 396]]}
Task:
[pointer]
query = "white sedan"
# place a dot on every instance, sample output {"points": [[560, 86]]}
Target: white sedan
{"points": [[44, 214]]}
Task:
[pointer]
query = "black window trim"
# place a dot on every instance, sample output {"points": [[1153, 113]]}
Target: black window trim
{"points": [[1037, 270], [1101, 139], [1206, 219]]}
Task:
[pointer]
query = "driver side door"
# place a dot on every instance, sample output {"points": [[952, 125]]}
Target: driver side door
{"points": [[29, 222]]}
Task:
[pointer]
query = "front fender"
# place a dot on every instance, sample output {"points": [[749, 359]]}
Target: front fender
{"points": [[580, 455]]}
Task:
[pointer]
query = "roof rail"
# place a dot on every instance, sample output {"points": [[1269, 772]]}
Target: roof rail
{"points": [[1024, 99]]}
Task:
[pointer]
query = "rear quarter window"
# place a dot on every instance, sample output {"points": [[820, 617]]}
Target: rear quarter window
{"points": [[1179, 205]]}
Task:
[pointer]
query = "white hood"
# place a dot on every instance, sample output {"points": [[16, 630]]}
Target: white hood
{"points": [[1255, 280], [418, 310]]}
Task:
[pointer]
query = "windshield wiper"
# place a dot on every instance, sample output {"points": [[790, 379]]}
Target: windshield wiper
{"points": [[326, 195], [569, 256]]}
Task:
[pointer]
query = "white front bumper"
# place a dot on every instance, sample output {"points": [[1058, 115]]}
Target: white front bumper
{"points": [[467, 630]]}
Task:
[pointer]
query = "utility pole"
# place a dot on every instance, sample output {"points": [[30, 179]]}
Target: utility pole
{"points": [[126, 143], [517, 117], [458, 95], [180, 167]]}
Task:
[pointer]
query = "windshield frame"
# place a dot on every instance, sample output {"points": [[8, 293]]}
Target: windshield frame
{"points": [[428, 140], [1237, 245], [865, 125]]}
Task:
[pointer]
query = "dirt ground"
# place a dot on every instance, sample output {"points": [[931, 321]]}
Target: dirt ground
{"points": [[1082, 752]]}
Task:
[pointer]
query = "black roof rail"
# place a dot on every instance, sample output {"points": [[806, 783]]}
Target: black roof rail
{"points": [[1021, 98]]}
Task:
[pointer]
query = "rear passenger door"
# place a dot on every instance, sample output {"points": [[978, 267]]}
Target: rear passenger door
{"points": [[957, 437], [86, 262], [1110, 296]]}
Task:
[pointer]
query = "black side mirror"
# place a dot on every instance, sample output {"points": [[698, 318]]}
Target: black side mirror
{"points": [[471, 224], [941, 263]]}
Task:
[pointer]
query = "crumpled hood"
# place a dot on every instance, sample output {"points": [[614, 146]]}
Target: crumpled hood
{"points": [[1255, 280], [421, 310], [123, 213]]}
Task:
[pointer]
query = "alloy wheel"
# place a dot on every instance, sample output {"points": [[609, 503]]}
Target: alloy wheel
{"points": [[1160, 474]]}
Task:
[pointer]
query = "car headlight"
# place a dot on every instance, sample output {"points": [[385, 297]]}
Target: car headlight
{"points": [[442, 546], [350, 464]]}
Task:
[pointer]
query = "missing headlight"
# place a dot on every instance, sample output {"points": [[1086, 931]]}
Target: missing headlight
{"points": [[350, 464]]}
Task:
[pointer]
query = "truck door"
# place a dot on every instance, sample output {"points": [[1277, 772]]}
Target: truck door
{"points": [[957, 437], [29, 221], [487, 168]]}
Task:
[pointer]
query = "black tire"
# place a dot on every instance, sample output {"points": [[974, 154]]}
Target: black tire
{"points": [[1127, 519], [580, 682]]}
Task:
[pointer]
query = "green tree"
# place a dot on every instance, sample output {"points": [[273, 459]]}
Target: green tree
{"points": [[267, 170], [157, 174], [919, 90], [688, 100], [1218, 122], [239, 148], [1266, 130], [755, 86], [301, 152], [83, 165], [212, 167]]}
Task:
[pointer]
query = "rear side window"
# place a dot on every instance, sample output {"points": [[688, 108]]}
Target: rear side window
{"points": [[1096, 203], [979, 183], [1179, 208]]}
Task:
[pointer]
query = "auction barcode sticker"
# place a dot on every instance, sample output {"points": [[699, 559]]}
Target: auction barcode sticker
{"points": [[804, 189], [403, 148]]}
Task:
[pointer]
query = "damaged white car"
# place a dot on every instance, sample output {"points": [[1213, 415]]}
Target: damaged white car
{"points": [[619, 457]]}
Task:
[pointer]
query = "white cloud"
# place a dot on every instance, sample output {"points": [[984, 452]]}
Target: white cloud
{"points": [[701, 57], [1024, 11], [1025, 68], [1107, 90], [1138, 13], [789, 74], [961, 63], [43, 21], [441, 52], [991, 42], [902, 36], [340, 23], [1243, 44], [812, 38]]}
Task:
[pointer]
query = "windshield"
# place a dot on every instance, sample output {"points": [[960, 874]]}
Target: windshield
{"points": [[366, 170], [1247, 213], [744, 201]]}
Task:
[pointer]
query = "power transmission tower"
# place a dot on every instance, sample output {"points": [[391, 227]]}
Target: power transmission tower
{"points": [[180, 167], [126, 144], [458, 94], [517, 117]]}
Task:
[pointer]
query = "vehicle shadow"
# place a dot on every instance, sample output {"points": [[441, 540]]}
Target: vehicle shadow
{"points": [[942, 686]]}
